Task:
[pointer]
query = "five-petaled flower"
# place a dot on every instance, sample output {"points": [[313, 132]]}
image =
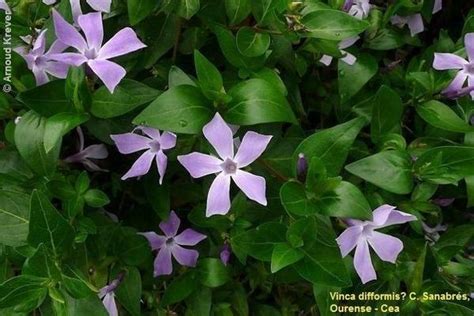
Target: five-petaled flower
{"points": [[86, 156], [445, 61], [39, 60], [228, 166], [361, 234], [154, 142], [359, 9], [170, 245], [91, 51]]}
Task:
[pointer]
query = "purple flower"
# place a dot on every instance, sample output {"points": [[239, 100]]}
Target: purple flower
{"points": [[107, 295], [153, 142], [225, 254], [97, 5], [348, 57], [361, 234], [444, 61], [91, 51], [39, 60], [84, 155], [228, 167], [415, 23], [302, 167], [359, 9], [438, 6], [170, 244], [4, 6]]}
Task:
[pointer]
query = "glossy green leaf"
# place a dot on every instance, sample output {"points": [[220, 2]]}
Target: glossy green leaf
{"points": [[284, 255], [251, 43], [212, 272], [237, 10], [23, 290], [386, 113], [130, 290], [441, 116], [139, 10], [59, 125], [14, 217], [352, 78], [48, 99]]}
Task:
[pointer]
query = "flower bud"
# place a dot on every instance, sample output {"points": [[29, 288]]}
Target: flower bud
{"points": [[302, 167]]}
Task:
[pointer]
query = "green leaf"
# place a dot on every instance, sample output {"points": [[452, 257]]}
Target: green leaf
{"points": [[352, 78], [188, 8], [210, 79], [251, 43], [76, 283], [331, 145], [11, 164], [164, 37], [29, 139], [200, 302], [47, 99], [261, 9], [180, 288], [332, 25], [284, 255], [14, 218], [48, 226], [453, 241], [237, 10], [445, 165], [389, 170], [128, 95], [40, 264], [441, 116], [386, 113], [139, 10], [24, 290], [130, 247], [130, 291], [212, 272], [182, 109], [256, 101], [96, 198], [86, 306], [76, 89], [59, 125], [293, 198], [177, 77], [322, 294]]}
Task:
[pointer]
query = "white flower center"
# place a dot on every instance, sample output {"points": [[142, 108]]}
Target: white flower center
{"points": [[90, 53], [154, 146], [229, 166]]}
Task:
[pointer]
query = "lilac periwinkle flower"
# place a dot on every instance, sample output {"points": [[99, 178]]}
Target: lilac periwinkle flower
{"points": [[97, 5], [414, 22], [90, 50], [86, 155], [361, 234], [170, 245], [107, 295], [359, 9], [348, 57], [225, 254], [154, 142], [228, 166], [39, 60], [446, 61]]}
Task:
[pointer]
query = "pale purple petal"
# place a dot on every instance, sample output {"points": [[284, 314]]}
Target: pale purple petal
{"points": [[124, 42], [162, 264], [4, 6], [415, 24], [49, 2], [326, 60], [385, 246], [253, 186], [218, 198], [347, 5], [98, 151], [91, 25], [349, 239], [75, 9], [456, 85], [200, 165], [225, 254], [252, 147], [91, 166], [40, 76], [39, 46], [57, 69], [67, 33], [438, 6], [171, 225], [168, 140], [73, 59], [363, 262], [469, 44], [156, 241], [141, 166], [57, 47], [151, 132], [189, 237], [348, 42], [399, 21], [129, 142], [109, 304], [387, 215], [162, 163], [445, 61], [220, 136], [110, 73], [349, 58], [185, 257], [100, 5]]}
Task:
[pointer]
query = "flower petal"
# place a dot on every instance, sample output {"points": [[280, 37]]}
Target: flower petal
{"points": [[363, 262], [109, 304], [73, 59], [253, 186], [168, 140], [457, 84], [110, 73], [67, 33], [444, 61], [349, 58], [57, 69], [200, 165], [40, 44], [100, 5], [385, 246], [141, 166], [161, 162], [171, 225], [185, 257], [438, 6], [98, 151], [252, 146], [326, 60], [415, 24], [150, 132], [124, 42], [129, 142], [189, 237], [91, 25], [57, 47], [218, 198], [162, 264], [348, 42], [349, 239], [40, 76], [469, 44], [156, 241], [387, 215], [220, 136]]}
